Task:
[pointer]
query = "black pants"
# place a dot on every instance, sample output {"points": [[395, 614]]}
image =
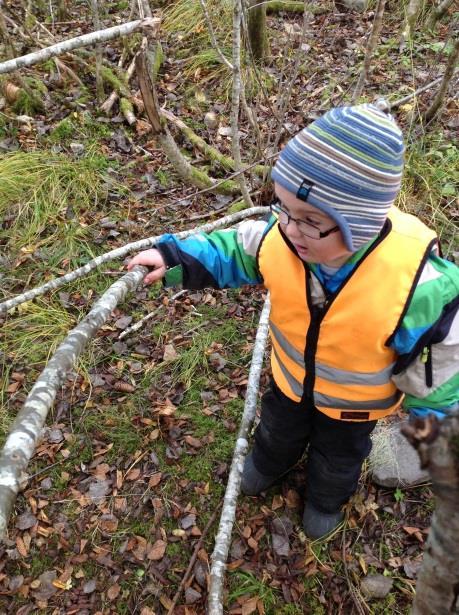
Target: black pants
{"points": [[336, 448]]}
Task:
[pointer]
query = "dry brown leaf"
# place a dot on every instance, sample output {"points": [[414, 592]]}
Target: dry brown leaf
{"points": [[157, 550], [250, 606], [278, 501], [133, 474], [155, 479], [21, 547], [113, 591], [194, 442], [169, 353]]}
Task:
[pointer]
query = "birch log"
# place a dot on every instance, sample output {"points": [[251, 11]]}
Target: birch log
{"points": [[93, 38], [142, 244], [26, 430], [222, 542]]}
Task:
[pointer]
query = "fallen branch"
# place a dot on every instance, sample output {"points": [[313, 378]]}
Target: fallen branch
{"points": [[138, 325], [223, 539], [211, 152], [26, 430], [106, 106], [181, 165], [142, 244], [85, 40], [186, 576]]}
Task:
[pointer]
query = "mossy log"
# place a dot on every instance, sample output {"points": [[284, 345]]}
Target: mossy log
{"points": [[210, 152]]}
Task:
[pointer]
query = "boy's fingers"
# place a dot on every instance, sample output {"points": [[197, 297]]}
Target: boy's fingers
{"points": [[154, 276]]}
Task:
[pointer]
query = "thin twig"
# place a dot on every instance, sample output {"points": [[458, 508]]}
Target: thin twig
{"points": [[138, 325], [193, 559], [215, 45]]}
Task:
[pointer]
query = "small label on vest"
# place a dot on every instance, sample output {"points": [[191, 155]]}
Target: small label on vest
{"points": [[355, 416]]}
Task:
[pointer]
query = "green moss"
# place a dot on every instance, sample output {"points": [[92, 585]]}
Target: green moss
{"points": [[126, 106], [63, 131], [115, 81]]}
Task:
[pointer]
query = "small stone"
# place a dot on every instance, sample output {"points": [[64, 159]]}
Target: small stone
{"points": [[77, 148], [376, 586], [211, 120], [393, 461]]}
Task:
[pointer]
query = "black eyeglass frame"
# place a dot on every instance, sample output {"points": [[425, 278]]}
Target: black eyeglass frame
{"points": [[277, 209]]}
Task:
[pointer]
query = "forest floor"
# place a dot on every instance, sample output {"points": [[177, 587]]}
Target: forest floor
{"points": [[135, 456]]}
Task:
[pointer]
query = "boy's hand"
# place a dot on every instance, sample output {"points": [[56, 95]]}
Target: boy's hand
{"points": [[154, 260]]}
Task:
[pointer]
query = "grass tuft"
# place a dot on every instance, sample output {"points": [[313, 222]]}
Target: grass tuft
{"points": [[42, 196]]}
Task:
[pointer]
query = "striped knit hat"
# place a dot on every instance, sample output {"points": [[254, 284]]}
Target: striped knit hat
{"points": [[349, 165]]}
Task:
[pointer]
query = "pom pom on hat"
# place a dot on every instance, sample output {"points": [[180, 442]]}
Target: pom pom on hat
{"points": [[348, 164]]}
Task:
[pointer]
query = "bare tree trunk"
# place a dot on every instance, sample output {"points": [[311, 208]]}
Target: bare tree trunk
{"points": [[371, 46], [438, 12], [256, 30], [99, 82], [236, 99], [440, 96], [437, 587], [412, 12]]}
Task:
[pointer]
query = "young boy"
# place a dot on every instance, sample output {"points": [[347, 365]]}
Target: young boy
{"points": [[363, 308]]}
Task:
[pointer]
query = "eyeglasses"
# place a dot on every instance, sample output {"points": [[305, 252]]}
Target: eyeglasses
{"points": [[306, 228]]}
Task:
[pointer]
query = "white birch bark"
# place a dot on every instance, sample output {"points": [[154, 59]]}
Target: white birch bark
{"points": [[93, 38], [26, 430], [142, 244], [223, 539]]}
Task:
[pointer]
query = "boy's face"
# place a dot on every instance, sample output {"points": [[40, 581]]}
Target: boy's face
{"points": [[330, 250]]}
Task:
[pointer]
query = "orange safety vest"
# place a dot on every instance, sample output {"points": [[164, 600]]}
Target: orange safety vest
{"points": [[339, 356]]}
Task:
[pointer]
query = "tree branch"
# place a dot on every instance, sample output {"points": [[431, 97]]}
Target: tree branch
{"points": [[26, 430], [223, 539], [85, 40], [142, 244]]}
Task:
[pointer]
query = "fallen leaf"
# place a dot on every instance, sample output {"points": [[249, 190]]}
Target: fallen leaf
{"points": [[113, 591], [155, 479], [124, 387], [156, 552], [170, 354], [25, 521], [194, 442]]}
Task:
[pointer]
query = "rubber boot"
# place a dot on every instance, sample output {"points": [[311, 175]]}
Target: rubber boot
{"points": [[318, 524]]}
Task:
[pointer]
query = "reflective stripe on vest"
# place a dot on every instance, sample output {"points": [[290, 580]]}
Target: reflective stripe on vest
{"points": [[352, 364]]}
